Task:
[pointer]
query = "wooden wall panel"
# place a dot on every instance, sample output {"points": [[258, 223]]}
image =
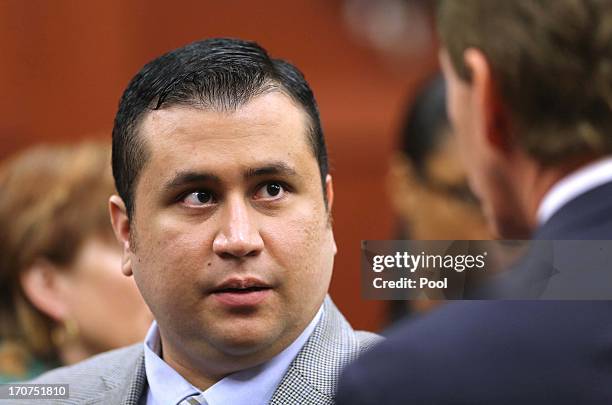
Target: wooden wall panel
{"points": [[64, 63]]}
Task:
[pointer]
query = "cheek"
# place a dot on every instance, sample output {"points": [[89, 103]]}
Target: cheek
{"points": [[459, 116], [94, 277], [169, 258], [107, 306], [466, 147], [303, 246], [169, 240], [455, 104]]}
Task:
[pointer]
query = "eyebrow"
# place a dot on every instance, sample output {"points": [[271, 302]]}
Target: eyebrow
{"points": [[185, 178], [276, 168]]}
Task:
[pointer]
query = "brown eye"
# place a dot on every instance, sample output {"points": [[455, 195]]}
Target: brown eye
{"points": [[198, 198], [270, 191], [203, 197], [273, 189]]}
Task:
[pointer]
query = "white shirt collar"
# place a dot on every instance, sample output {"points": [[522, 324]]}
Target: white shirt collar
{"points": [[579, 182], [252, 386]]}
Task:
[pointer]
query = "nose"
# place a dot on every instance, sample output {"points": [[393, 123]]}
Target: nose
{"points": [[238, 235]]}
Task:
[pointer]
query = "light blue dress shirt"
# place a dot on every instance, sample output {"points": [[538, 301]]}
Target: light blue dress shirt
{"points": [[252, 386]]}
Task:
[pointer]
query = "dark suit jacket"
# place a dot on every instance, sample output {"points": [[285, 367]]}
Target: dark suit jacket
{"points": [[500, 352]]}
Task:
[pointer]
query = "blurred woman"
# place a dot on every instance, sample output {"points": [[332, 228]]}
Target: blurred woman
{"points": [[63, 297], [427, 183]]}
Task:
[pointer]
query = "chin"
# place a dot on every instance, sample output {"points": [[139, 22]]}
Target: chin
{"points": [[244, 347], [240, 340]]}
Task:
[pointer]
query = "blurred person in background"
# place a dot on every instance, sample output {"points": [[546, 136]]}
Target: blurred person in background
{"points": [[530, 99], [427, 183], [63, 297]]}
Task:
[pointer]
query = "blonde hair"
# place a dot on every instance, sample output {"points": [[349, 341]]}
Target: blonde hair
{"points": [[53, 198]]}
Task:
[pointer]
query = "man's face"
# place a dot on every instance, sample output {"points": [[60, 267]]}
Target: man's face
{"points": [[489, 173], [232, 244]]}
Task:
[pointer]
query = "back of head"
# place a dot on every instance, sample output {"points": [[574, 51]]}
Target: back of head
{"points": [[218, 74], [53, 198], [552, 62]]}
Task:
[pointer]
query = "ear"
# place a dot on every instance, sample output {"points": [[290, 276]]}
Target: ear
{"points": [[121, 226], [42, 284], [488, 102], [329, 189]]}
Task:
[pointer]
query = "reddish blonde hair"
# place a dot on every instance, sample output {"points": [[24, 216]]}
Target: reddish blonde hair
{"points": [[53, 198]]}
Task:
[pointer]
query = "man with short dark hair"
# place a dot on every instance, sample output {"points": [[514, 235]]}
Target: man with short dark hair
{"points": [[224, 215], [530, 97]]}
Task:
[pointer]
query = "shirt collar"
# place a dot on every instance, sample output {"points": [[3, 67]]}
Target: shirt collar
{"points": [[252, 386], [579, 182], [166, 386]]}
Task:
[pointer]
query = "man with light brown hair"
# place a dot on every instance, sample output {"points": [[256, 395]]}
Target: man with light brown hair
{"points": [[530, 97]]}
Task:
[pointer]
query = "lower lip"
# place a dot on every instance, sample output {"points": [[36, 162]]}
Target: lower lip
{"points": [[246, 299]]}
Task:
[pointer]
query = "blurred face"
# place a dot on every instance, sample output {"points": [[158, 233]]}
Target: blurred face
{"points": [[440, 206], [106, 306], [489, 173], [231, 244]]}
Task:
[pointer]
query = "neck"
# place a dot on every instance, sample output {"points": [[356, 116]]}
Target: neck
{"points": [[210, 365], [197, 377], [534, 180]]}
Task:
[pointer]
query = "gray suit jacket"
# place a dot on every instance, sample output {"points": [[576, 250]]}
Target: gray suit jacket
{"points": [[118, 377]]}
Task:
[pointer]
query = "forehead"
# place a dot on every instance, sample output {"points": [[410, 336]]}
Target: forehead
{"points": [[269, 127]]}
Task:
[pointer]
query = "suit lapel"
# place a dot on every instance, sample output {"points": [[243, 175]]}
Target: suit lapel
{"points": [[311, 379], [312, 376], [124, 385]]}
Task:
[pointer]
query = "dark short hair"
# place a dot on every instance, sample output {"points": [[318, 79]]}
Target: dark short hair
{"points": [[425, 125], [220, 74], [552, 63]]}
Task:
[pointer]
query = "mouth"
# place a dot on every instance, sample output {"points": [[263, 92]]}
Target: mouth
{"points": [[241, 285], [241, 292]]}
